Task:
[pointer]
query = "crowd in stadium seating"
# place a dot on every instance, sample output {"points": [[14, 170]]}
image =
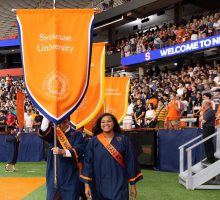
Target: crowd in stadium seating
{"points": [[108, 4], [152, 95], [168, 35], [8, 90]]}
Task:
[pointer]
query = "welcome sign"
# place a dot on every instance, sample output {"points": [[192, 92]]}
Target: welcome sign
{"points": [[56, 51], [187, 47]]}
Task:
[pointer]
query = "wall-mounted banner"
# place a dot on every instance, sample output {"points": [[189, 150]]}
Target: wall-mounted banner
{"points": [[20, 108], [94, 97], [116, 96], [56, 49], [187, 47]]}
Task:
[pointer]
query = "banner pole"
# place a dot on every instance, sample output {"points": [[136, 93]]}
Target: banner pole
{"points": [[55, 136], [112, 72], [55, 156], [54, 4]]}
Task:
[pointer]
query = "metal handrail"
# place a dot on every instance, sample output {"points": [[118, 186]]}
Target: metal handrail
{"points": [[202, 141], [181, 148], [189, 158], [194, 139]]}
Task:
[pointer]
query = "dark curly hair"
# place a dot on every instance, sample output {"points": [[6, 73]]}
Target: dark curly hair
{"points": [[97, 128]]}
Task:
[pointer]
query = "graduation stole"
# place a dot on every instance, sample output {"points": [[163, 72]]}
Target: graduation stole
{"points": [[114, 153], [67, 146]]}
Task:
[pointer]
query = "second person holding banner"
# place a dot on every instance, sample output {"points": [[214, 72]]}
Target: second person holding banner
{"points": [[70, 148], [110, 162]]}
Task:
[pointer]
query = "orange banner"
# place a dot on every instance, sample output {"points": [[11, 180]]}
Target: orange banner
{"points": [[20, 109], [116, 96], [94, 96], [89, 126], [56, 50]]}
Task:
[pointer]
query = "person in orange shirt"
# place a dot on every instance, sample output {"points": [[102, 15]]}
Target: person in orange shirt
{"points": [[153, 100], [218, 116], [179, 35], [173, 116]]}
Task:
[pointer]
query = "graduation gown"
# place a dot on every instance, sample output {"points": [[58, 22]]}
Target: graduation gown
{"points": [[67, 171], [12, 146], [107, 178]]}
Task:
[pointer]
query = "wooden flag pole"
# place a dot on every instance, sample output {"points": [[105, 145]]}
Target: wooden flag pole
{"points": [[55, 157], [55, 136]]}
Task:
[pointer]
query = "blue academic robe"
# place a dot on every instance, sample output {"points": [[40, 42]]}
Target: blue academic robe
{"points": [[109, 180], [12, 147], [67, 171]]}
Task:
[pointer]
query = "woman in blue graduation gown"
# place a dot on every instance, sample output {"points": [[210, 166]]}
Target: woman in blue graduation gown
{"points": [[105, 176], [68, 183], [12, 141]]}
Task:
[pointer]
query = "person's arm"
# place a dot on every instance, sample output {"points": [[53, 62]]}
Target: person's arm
{"points": [[88, 165], [133, 191], [88, 192], [206, 117], [78, 147], [135, 115], [46, 130], [132, 166], [58, 151], [176, 105], [141, 115]]}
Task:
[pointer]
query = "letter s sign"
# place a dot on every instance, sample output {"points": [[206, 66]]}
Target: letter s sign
{"points": [[147, 56]]}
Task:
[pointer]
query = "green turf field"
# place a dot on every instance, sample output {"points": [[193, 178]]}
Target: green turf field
{"points": [[155, 185]]}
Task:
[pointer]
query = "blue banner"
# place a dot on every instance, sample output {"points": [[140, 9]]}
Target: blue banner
{"points": [[187, 47], [9, 42]]}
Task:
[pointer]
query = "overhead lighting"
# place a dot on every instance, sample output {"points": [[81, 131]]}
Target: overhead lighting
{"points": [[145, 20], [112, 22]]}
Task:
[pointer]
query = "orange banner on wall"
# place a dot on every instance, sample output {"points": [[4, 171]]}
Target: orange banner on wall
{"points": [[94, 96], [116, 96], [20, 108], [56, 50]]}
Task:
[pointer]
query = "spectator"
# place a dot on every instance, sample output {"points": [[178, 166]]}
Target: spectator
{"points": [[160, 115], [28, 122], [127, 121], [217, 79], [139, 113], [216, 25], [208, 97], [173, 116], [140, 47], [10, 119], [149, 115], [127, 49], [12, 141], [2, 122], [208, 124], [180, 89]]}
